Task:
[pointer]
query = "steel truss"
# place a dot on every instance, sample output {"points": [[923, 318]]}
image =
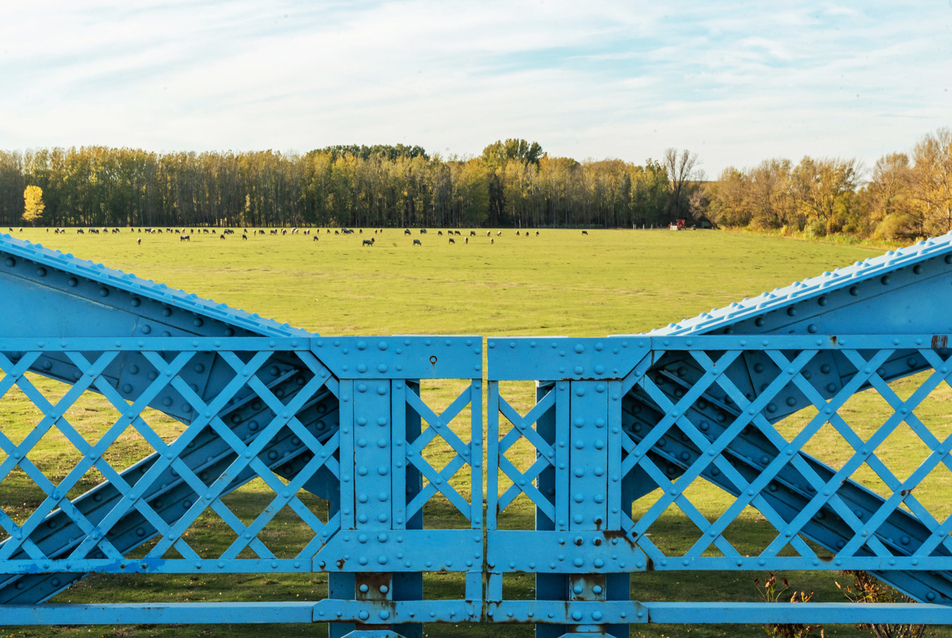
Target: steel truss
{"points": [[372, 450]]}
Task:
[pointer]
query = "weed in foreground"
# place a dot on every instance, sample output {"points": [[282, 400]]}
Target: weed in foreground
{"points": [[773, 592], [867, 589]]}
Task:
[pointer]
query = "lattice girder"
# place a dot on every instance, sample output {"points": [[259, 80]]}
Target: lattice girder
{"points": [[809, 496], [171, 475], [690, 412], [615, 420]]}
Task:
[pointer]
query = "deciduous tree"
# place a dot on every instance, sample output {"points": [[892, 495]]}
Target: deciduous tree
{"points": [[681, 167], [32, 204], [931, 178]]}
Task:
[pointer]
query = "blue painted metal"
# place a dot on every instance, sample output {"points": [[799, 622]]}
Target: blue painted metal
{"points": [[615, 423], [704, 407]]}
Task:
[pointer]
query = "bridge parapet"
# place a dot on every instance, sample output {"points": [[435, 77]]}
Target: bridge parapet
{"points": [[362, 457]]}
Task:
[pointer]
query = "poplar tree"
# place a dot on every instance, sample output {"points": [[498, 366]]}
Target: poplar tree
{"points": [[32, 204]]}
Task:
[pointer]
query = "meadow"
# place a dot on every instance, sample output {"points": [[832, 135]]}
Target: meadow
{"points": [[558, 282]]}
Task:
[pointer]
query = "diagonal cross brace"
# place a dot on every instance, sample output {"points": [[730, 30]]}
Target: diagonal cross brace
{"points": [[176, 480], [899, 293], [95, 304], [889, 298]]}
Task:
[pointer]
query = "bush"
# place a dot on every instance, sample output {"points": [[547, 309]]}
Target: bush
{"points": [[815, 229]]}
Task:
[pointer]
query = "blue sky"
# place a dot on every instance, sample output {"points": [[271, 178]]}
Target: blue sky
{"points": [[736, 82]]}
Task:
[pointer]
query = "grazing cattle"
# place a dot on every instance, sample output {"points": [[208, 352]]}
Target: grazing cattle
{"points": [[537, 233], [487, 233], [368, 242], [517, 233], [316, 238], [222, 236], [406, 231], [440, 233], [79, 231], [422, 231], [187, 237], [139, 241], [416, 242], [274, 231], [472, 233], [243, 236], [498, 233], [452, 241], [492, 241], [584, 232], [337, 232], [467, 240]]}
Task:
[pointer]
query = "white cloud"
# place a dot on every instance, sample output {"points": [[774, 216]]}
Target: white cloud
{"points": [[596, 79]]}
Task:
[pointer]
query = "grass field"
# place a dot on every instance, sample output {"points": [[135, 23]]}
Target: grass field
{"points": [[557, 283]]}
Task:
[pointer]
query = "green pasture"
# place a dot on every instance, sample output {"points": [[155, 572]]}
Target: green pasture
{"points": [[559, 282]]}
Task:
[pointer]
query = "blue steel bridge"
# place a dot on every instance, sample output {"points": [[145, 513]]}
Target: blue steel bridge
{"points": [[622, 431]]}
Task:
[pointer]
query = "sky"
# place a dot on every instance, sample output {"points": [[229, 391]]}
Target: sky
{"points": [[737, 82]]}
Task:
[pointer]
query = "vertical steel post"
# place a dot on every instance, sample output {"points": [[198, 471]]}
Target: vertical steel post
{"points": [[407, 483], [552, 486]]}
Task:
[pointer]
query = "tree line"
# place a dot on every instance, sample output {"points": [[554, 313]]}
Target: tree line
{"points": [[902, 197], [512, 183]]}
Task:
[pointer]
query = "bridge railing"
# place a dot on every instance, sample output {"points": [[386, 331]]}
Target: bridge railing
{"points": [[308, 455], [359, 474], [632, 433]]}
